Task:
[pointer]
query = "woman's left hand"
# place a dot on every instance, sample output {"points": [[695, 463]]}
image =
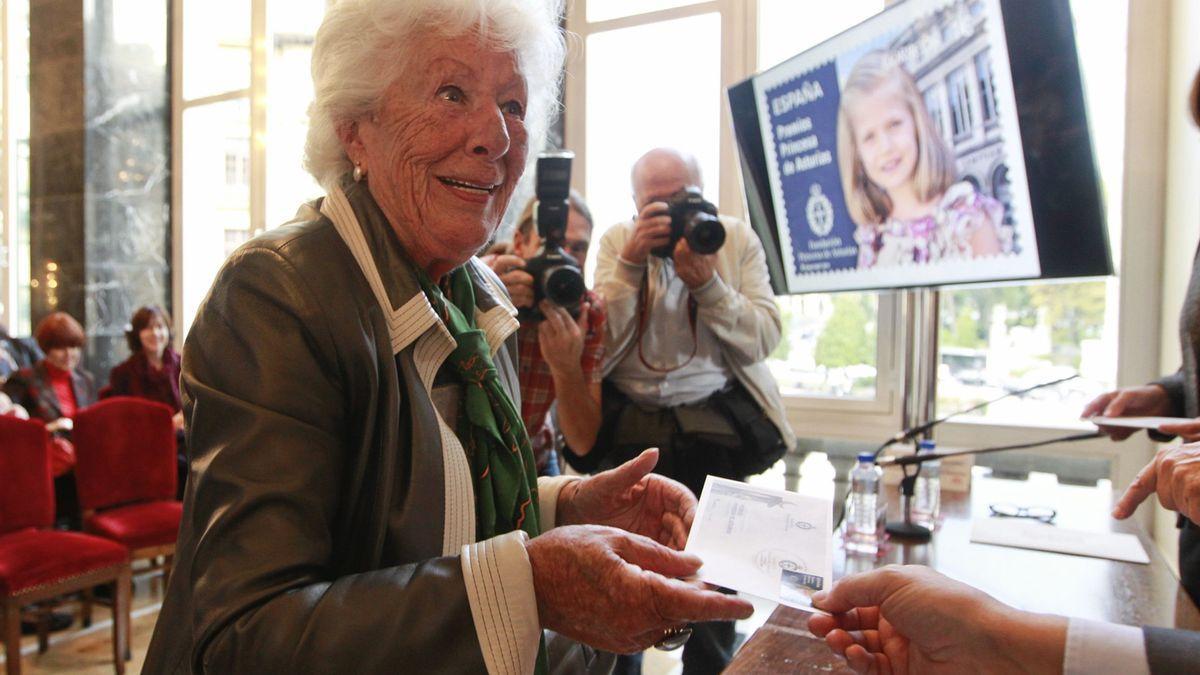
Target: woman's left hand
{"points": [[631, 498]]}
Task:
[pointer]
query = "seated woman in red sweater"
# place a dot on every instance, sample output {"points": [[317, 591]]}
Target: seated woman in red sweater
{"points": [[152, 370], [52, 391]]}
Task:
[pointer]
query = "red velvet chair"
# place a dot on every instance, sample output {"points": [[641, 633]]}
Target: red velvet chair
{"points": [[125, 473], [38, 564]]}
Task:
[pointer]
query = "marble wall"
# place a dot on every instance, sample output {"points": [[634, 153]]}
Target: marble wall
{"points": [[100, 165]]}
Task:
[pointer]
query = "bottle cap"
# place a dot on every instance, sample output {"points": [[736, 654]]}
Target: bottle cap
{"points": [[868, 457], [926, 446]]}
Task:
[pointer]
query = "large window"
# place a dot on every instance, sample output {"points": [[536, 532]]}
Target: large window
{"points": [[830, 343], [14, 166], [1010, 337], [243, 99]]}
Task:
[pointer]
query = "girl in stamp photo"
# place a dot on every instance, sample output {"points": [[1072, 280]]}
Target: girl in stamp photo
{"points": [[898, 176]]}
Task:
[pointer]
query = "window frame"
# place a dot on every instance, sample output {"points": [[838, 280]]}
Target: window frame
{"points": [[809, 415]]}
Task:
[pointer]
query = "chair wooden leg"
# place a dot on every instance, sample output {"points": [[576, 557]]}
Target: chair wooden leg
{"points": [[12, 636], [120, 613], [43, 627], [85, 608]]}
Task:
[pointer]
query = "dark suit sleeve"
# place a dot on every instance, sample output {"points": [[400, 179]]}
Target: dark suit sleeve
{"points": [[1174, 385], [17, 389], [1171, 651], [269, 443]]}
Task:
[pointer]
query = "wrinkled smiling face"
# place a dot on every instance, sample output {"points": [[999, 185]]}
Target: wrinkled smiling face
{"points": [[886, 136], [446, 147]]}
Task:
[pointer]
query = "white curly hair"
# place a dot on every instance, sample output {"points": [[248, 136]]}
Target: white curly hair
{"points": [[362, 47]]}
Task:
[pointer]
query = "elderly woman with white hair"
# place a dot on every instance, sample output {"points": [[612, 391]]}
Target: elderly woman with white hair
{"points": [[362, 495]]}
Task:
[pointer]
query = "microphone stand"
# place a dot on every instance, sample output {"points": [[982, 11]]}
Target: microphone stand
{"points": [[907, 528], [915, 532]]}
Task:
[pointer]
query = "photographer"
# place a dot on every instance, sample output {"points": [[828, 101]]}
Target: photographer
{"points": [[559, 356], [688, 334]]}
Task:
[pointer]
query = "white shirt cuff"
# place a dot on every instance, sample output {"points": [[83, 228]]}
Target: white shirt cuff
{"points": [[499, 583], [548, 489], [1097, 647]]}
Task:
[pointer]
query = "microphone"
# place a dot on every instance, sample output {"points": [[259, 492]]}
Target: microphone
{"points": [[907, 528], [912, 432], [906, 460]]}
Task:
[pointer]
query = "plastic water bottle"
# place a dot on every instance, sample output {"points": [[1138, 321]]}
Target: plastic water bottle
{"points": [[866, 515], [927, 502]]}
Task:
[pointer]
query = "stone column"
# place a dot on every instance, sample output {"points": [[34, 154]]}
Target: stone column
{"points": [[100, 165]]}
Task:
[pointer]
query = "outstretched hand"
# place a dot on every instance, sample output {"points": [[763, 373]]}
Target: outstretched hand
{"points": [[899, 620], [631, 498], [1174, 475]]}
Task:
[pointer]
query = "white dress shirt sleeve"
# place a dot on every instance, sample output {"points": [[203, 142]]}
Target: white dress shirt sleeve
{"points": [[1098, 647], [500, 590]]}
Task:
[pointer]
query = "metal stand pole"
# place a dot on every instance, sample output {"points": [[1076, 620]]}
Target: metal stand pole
{"points": [[920, 390]]}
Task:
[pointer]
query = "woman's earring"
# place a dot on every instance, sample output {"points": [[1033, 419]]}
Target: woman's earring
{"points": [[358, 173]]}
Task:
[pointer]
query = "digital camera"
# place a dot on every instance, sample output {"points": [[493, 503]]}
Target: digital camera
{"points": [[694, 219], [556, 275]]}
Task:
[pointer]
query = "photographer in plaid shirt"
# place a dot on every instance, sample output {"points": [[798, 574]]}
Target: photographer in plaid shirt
{"points": [[559, 357]]}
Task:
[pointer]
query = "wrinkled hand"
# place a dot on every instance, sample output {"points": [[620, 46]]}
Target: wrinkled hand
{"points": [[913, 620], [1174, 474], [511, 270], [631, 498], [618, 591], [561, 337], [652, 229], [694, 269], [1149, 400]]}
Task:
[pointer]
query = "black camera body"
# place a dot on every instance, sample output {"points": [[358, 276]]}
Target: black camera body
{"points": [[556, 275], [695, 219]]}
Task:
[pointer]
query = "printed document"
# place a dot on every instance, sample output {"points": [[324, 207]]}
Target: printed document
{"points": [[771, 543]]}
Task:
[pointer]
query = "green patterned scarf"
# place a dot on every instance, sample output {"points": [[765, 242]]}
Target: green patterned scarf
{"points": [[506, 496]]}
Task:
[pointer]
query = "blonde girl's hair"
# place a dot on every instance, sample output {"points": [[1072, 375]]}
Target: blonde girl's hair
{"points": [[868, 203]]}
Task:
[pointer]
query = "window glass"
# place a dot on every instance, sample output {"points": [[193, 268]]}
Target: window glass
{"points": [[292, 26], [1001, 339], [603, 10], [829, 343], [15, 234], [216, 197], [216, 47], [649, 86]]}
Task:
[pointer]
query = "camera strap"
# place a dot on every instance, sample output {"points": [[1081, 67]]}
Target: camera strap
{"points": [[643, 316]]}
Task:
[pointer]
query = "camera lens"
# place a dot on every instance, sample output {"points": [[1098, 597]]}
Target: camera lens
{"points": [[563, 285], [704, 232]]}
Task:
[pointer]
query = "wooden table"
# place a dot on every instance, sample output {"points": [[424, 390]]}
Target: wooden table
{"points": [[1032, 580]]}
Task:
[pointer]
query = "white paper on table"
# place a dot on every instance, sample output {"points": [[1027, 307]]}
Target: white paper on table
{"points": [[1137, 422], [774, 544], [1031, 534]]}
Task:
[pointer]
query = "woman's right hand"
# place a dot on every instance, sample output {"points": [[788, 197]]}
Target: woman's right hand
{"points": [[178, 421], [619, 591], [1149, 400]]}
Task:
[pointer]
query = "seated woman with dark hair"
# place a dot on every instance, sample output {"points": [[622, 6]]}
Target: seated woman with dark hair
{"points": [[152, 372], [152, 369]]}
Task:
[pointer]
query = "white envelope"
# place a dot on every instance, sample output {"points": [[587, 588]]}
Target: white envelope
{"points": [[774, 544]]}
